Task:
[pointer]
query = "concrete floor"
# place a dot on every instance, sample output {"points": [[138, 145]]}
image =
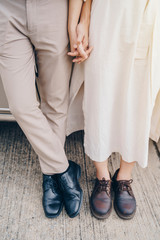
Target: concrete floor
{"points": [[21, 213]]}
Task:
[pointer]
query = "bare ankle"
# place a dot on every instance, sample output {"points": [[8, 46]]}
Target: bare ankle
{"points": [[123, 176], [101, 175]]}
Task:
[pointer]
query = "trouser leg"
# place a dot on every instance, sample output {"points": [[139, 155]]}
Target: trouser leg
{"points": [[17, 63], [53, 85], [54, 66]]}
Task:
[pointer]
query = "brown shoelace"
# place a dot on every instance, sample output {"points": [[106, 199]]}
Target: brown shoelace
{"points": [[104, 185], [125, 185]]}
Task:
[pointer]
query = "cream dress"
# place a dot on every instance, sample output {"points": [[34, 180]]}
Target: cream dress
{"points": [[113, 93]]}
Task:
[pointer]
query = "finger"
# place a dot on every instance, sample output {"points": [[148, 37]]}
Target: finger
{"points": [[73, 54], [88, 51], [81, 51], [78, 59], [85, 45], [82, 59]]}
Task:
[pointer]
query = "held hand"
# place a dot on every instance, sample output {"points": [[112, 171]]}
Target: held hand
{"points": [[81, 51], [83, 42]]}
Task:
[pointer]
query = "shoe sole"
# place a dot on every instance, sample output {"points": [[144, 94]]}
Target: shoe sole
{"points": [[129, 217], [81, 198], [55, 215], [102, 217]]}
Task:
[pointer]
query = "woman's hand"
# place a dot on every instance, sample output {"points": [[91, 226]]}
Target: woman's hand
{"points": [[83, 42]]}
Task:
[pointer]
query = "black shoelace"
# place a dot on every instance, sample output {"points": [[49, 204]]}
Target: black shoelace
{"points": [[50, 183]]}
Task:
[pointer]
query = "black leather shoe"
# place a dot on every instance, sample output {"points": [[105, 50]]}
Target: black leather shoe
{"points": [[52, 197], [124, 200], [72, 192]]}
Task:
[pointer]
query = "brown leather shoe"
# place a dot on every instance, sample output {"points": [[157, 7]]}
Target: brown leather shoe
{"points": [[124, 200], [101, 201]]}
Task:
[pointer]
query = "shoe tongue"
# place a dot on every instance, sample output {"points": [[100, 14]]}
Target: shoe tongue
{"points": [[103, 185], [103, 180]]}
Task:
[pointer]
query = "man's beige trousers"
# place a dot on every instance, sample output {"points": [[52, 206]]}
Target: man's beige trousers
{"points": [[37, 30]]}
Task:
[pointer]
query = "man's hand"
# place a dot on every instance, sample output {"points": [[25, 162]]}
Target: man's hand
{"points": [[80, 49], [73, 42]]}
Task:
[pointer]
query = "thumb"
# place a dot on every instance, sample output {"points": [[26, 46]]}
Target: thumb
{"points": [[82, 51]]}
